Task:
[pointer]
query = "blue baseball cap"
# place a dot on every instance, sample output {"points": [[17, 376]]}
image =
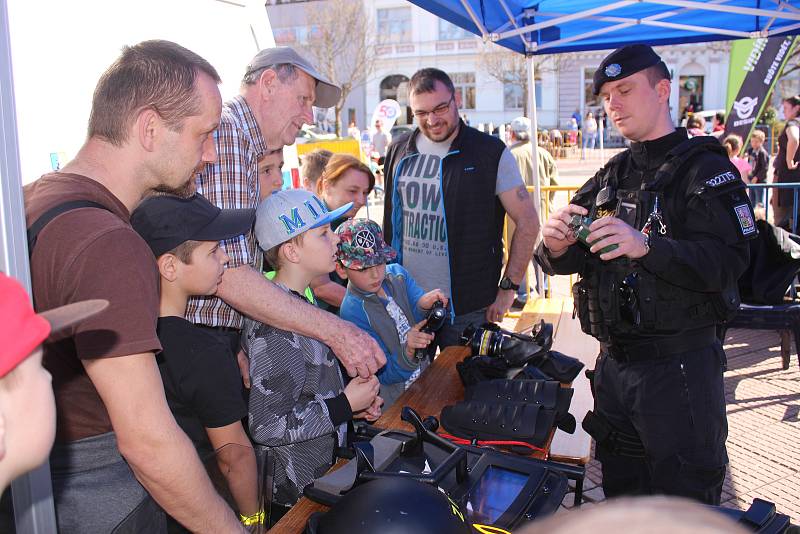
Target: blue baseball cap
{"points": [[287, 214]]}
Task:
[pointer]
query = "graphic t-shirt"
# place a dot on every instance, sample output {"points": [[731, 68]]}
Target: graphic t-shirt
{"points": [[400, 320], [425, 253]]}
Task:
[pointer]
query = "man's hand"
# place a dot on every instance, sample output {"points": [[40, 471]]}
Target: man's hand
{"points": [[416, 339], [501, 304], [612, 231], [427, 300], [556, 233], [358, 352], [244, 368]]}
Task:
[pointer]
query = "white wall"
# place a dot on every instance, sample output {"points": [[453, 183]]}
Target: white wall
{"points": [[60, 48]]}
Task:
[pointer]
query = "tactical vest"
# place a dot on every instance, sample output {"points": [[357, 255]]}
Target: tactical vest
{"points": [[623, 298]]}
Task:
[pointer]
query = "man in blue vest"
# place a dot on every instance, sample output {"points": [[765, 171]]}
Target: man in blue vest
{"points": [[449, 187]]}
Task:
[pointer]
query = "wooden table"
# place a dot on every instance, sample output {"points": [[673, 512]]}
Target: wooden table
{"points": [[438, 386]]}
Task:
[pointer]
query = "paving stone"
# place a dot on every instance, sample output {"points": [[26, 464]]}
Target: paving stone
{"points": [[594, 495]]}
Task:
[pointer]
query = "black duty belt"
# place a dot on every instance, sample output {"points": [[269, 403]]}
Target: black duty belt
{"points": [[663, 347]]}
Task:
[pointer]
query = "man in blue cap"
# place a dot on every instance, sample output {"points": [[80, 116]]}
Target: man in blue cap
{"points": [[677, 220]]}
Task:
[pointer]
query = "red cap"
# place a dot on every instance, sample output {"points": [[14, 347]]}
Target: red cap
{"points": [[22, 330]]}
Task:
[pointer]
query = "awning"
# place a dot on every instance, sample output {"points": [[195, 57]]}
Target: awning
{"points": [[556, 26]]}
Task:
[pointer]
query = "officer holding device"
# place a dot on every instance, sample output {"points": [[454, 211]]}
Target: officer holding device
{"points": [[677, 212]]}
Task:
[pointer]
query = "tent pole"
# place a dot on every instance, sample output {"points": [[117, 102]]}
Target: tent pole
{"points": [[534, 138], [32, 493]]}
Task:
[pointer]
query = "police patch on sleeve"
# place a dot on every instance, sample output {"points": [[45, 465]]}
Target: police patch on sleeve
{"points": [[720, 179], [746, 220]]}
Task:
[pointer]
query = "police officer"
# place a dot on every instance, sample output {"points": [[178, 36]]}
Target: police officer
{"points": [[678, 219]]}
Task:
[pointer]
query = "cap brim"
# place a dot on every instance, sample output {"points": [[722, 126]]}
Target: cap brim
{"points": [[327, 93], [227, 224], [333, 215], [70, 314]]}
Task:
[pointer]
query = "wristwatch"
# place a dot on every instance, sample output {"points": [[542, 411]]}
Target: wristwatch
{"points": [[506, 283]]}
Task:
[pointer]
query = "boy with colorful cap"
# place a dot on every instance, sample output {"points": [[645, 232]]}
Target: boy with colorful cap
{"points": [[299, 406], [200, 375], [27, 406], [384, 301]]}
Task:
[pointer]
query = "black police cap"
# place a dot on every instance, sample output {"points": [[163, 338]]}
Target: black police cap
{"points": [[625, 61]]}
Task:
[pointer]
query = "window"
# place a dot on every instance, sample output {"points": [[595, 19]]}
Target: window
{"points": [[464, 83], [451, 32], [394, 24], [514, 95], [294, 35], [589, 99]]}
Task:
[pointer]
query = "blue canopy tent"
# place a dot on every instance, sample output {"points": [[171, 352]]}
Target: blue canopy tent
{"points": [[533, 27]]}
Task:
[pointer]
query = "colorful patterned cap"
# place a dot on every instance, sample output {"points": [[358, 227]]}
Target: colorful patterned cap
{"points": [[361, 245]]}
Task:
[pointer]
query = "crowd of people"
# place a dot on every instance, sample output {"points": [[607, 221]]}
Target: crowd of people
{"points": [[240, 323]]}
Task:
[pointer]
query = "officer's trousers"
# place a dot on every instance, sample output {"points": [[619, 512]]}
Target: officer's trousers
{"points": [[676, 405]]}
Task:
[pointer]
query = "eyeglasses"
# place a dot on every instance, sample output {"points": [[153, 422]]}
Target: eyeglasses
{"points": [[438, 111]]}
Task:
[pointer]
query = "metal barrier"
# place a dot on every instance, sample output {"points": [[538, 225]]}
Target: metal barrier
{"points": [[768, 197]]}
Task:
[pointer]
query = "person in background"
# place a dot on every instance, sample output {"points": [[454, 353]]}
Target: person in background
{"points": [[345, 180], [270, 177], [577, 116], [27, 406], [384, 301], [520, 146], [380, 141], [299, 406], [154, 113], [786, 164], [718, 125], [277, 93], [573, 131], [696, 125], [589, 132], [200, 375], [312, 166], [353, 131], [733, 144], [758, 157]]}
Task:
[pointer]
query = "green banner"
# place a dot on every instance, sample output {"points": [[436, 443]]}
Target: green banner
{"points": [[756, 64]]}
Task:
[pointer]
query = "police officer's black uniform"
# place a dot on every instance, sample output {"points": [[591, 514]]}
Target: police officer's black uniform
{"points": [[659, 419]]}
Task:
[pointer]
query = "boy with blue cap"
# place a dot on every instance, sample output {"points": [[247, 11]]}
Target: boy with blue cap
{"points": [[299, 406]]}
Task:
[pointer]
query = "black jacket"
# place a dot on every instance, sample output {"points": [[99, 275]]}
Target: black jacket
{"points": [[473, 213]]}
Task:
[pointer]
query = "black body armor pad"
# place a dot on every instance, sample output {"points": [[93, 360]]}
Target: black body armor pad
{"points": [[622, 296]]}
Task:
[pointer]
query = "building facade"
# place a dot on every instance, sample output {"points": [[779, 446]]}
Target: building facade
{"points": [[411, 38]]}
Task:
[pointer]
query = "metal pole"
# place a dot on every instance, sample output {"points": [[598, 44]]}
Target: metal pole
{"points": [[32, 493], [537, 188]]}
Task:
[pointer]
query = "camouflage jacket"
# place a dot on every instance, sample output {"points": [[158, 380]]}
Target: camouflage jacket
{"points": [[295, 406]]}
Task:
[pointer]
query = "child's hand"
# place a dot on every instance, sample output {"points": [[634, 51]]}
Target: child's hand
{"points": [[361, 392], [373, 412], [427, 300], [417, 339]]}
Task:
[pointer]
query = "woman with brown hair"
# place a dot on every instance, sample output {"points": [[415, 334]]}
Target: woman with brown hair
{"points": [[786, 163], [345, 179]]}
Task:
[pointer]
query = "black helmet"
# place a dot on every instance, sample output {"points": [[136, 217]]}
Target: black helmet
{"points": [[391, 506]]}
